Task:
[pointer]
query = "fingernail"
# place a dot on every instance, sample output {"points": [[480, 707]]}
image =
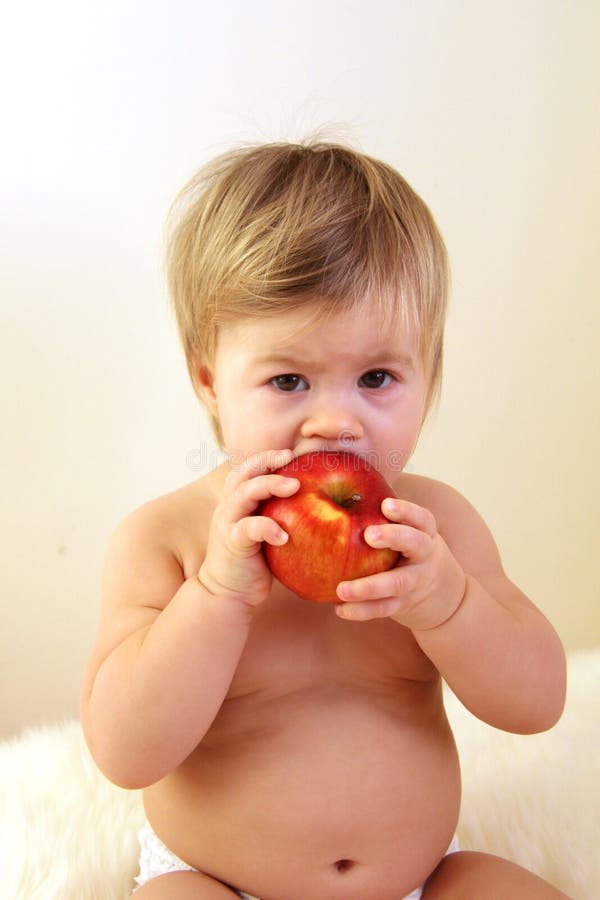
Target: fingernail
{"points": [[282, 536], [374, 533]]}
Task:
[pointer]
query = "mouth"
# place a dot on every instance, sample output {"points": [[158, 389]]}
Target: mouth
{"points": [[368, 456], [388, 462], [326, 447]]}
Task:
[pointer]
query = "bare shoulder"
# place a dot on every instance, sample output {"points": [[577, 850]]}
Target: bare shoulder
{"points": [[161, 532], [458, 522], [437, 496], [151, 552]]}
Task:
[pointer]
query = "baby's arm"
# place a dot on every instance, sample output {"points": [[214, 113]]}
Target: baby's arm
{"points": [[495, 649], [168, 646]]}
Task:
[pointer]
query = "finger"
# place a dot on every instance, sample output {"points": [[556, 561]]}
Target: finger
{"points": [[394, 583], [411, 542], [375, 609], [248, 495], [409, 514], [257, 464], [253, 530]]}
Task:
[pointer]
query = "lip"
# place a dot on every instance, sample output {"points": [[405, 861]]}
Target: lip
{"points": [[303, 449], [334, 447]]}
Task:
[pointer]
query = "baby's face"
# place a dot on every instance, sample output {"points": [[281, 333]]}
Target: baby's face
{"points": [[346, 383]]}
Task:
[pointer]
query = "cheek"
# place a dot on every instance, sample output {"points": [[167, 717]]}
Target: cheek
{"points": [[234, 433], [249, 428]]}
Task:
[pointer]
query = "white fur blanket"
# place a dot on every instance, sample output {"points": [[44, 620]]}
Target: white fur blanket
{"points": [[67, 834]]}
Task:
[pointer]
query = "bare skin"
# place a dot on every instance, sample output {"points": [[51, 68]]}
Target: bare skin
{"points": [[318, 760], [460, 876], [295, 750]]}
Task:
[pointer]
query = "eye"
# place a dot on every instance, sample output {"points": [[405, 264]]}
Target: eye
{"points": [[289, 383], [376, 378]]}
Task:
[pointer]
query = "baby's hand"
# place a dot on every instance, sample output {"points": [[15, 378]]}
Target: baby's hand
{"points": [[423, 590], [234, 564]]}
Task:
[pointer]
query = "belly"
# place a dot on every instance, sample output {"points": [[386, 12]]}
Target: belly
{"points": [[338, 796]]}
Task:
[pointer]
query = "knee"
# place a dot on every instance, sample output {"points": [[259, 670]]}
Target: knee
{"points": [[191, 885], [467, 874]]}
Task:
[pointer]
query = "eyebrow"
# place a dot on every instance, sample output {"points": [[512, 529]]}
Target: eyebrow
{"points": [[375, 360]]}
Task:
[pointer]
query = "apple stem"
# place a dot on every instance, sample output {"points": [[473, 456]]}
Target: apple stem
{"points": [[354, 498]]}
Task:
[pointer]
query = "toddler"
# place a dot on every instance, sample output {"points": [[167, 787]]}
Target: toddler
{"points": [[290, 750]]}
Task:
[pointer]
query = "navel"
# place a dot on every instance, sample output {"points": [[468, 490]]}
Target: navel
{"points": [[343, 865]]}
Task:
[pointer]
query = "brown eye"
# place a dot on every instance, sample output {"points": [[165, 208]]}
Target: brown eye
{"points": [[288, 382], [376, 378]]}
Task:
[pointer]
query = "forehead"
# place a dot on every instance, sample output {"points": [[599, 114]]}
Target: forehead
{"points": [[311, 332]]}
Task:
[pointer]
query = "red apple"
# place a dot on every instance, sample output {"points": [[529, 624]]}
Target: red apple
{"points": [[339, 495]]}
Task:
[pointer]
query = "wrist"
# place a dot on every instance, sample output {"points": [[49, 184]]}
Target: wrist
{"points": [[218, 592], [460, 596], [450, 610]]}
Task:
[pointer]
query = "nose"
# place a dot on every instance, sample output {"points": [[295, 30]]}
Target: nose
{"points": [[332, 422]]}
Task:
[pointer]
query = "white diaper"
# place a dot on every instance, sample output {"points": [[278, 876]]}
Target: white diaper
{"points": [[156, 859]]}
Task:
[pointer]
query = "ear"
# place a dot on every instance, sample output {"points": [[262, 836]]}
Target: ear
{"points": [[205, 388]]}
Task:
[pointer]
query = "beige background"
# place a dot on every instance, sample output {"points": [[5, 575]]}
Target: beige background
{"points": [[489, 109]]}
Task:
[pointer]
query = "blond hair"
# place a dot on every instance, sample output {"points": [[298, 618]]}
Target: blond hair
{"points": [[268, 228]]}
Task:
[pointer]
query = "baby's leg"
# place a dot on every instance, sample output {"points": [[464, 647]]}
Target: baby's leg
{"points": [[465, 875], [184, 886]]}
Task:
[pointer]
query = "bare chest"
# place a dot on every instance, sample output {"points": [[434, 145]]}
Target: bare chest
{"points": [[297, 645]]}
